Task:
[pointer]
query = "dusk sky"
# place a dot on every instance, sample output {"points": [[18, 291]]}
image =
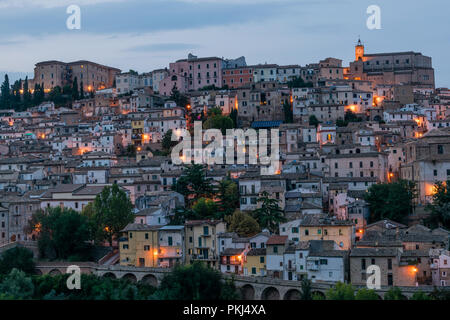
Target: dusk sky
{"points": [[147, 34]]}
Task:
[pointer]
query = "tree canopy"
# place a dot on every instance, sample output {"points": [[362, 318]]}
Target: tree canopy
{"points": [[391, 200], [194, 184], [61, 233], [19, 258], [440, 207], [243, 224], [269, 215], [112, 212], [195, 282]]}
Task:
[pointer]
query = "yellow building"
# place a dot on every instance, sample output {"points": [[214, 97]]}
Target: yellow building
{"points": [[319, 227], [137, 131], [139, 246], [255, 262], [202, 242]]}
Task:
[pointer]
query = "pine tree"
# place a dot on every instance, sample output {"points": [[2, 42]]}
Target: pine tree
{"points": [[81, 90], [75, 95], [26, 94], [5, 99], [16, 99]]}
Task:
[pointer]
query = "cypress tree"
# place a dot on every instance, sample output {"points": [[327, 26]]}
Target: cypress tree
{"points": [[75, 94], [5, 99]]}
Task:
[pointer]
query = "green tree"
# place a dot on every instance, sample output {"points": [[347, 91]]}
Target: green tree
{"points": [[440, 207], [350, 116], [82, 90], [75, 92], [113, 212], [243, 224], [16, 98], [167, 143], [218, 121], [194, 184], [391, 200], [57, 97], [440, 294], [205, 209], [341, 291], [5, 98], [394, 294], [366, 294], [269, 215], [17, 258], [233, 115], [420, 295], [17, 285], [313, 121], [27, 98], [61, 233], [288, 113], [306, 293], [38, 94], [298, 82], [180, 99], [228, 196], [195, 282]]}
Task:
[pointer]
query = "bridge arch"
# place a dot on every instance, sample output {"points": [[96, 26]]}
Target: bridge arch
{"points": [[109, 275], [270, 293], [292, 294], [129, 277], [248, 292], [318, 294], [150, 279], [55, 272]]}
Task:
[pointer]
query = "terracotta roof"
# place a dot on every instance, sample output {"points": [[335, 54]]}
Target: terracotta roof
{"points": [[277, 240]]}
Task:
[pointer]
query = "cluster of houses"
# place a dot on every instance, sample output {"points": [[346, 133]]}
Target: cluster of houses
{"points": [[316, 247], [341, 129]]}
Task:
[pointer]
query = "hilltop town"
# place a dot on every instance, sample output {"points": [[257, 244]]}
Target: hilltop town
{"points": [[364, 159]]}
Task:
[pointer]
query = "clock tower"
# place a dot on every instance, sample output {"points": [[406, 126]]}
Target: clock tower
{"points": [[359, 51]]}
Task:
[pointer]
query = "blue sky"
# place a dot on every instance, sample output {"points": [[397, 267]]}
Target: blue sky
{"points": [[148, 34]]}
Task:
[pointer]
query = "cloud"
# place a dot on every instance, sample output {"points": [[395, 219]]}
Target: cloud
{"points": [[6, 4]]}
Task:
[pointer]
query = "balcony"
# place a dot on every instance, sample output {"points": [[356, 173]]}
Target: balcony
{"points": [[291, 267]]}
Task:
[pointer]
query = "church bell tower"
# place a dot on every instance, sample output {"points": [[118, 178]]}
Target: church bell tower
{"points": [[359, 50]]}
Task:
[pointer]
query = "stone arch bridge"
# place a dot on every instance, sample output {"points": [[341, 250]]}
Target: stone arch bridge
{"points": [[251, 288]]}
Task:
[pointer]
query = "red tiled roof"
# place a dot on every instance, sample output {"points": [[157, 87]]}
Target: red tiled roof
{"points": [[277, 240]]}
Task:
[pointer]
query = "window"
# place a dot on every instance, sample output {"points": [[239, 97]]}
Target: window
{"points": [[372, 261], [306, 232], [146, 248], [253, 270], [440, 149], [275, 249], [363, 264], [261, 259], [146, 236], [389, 264], [390, 280]]}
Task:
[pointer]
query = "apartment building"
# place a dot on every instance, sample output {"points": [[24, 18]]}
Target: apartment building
{"points": [[202, 242]]}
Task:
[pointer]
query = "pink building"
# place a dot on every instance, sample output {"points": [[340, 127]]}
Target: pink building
{"points": [[192, 74]]}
